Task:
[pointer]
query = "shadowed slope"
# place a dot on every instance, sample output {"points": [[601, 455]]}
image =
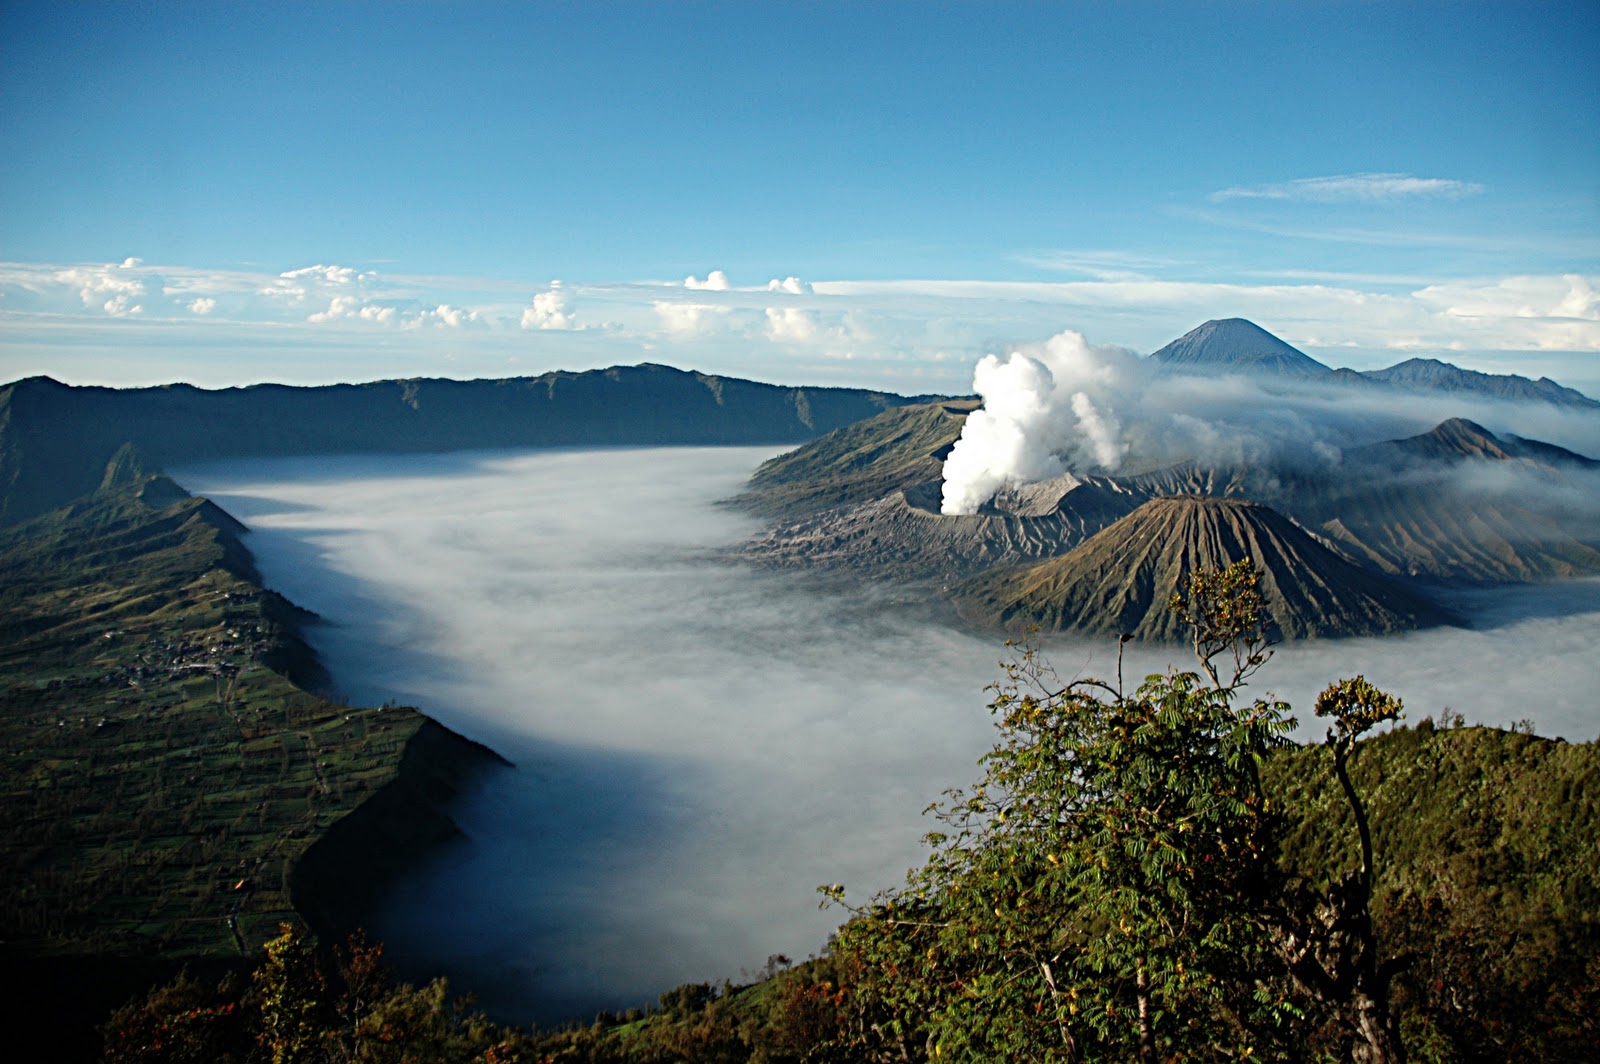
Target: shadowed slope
{"points": [[904, 535], [1121, 579], [870, 459]]}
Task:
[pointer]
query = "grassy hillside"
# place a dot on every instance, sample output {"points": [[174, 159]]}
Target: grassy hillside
{"points": [[166, 781]]}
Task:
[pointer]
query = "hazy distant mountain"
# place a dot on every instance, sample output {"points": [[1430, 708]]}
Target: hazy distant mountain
{"points": [[1429, 374], [1120, 580], [1460, 504], [56, 440], [1235, 345], [1459, 438]]}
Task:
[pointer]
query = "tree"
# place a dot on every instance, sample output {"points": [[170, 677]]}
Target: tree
{"points": [[293, 996], [1330, 944], [1098, 894]]}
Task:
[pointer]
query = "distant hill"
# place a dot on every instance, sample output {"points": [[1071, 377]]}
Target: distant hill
{"points": [[1235, 345], [1457, 437], [1120, 580], [1429, 374], [55, 440], [898, 448]]}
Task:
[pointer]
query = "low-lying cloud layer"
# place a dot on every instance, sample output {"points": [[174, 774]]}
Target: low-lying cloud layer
{"points": [[698, 745]]}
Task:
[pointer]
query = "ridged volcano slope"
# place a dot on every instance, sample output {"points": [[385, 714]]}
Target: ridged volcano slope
{"points": [[1121, 579]]}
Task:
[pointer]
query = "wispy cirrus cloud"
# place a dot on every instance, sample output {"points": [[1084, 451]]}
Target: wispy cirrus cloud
{"points": [[1102, 264], [1353, 188]]}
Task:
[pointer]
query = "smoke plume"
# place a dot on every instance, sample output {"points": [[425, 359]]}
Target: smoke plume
{"points": [[1046, 409]]}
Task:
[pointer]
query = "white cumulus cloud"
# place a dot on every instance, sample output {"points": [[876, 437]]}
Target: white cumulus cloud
{"points": [[716, 281], [793, 286], [203, 305], [551, 309], [444, 316], [353, 307], [106, 287], [327, 274]]}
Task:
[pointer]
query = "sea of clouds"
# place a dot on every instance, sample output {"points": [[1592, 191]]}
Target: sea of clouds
{"points": [[697, 745]]}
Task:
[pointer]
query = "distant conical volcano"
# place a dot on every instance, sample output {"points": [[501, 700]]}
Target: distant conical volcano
{"points": [[1236, 345], [1121, 579]]}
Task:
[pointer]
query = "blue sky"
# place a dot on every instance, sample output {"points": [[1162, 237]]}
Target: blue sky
{"points": [[865, 194]]}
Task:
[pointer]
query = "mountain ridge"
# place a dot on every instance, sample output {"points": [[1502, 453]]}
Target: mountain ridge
{"points": [[1431, 374], [55, 439]]}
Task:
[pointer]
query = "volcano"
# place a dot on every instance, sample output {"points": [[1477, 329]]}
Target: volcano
{"points": [[1235, 345], [1120, 580]]}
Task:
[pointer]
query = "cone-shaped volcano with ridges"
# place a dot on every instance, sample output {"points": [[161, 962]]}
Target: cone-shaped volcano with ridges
{"points": [[1234, 345], [1122, 579]]}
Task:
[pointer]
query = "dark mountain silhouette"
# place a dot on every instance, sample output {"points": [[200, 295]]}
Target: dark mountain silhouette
{"points": [[56, 440], [1234, 345], [1121, 579]]}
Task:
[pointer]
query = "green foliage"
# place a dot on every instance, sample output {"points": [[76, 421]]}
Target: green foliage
{"points": [[1487, 877], [1226, 615], [307, 1005], [1095, 896], [1356, 707]]}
